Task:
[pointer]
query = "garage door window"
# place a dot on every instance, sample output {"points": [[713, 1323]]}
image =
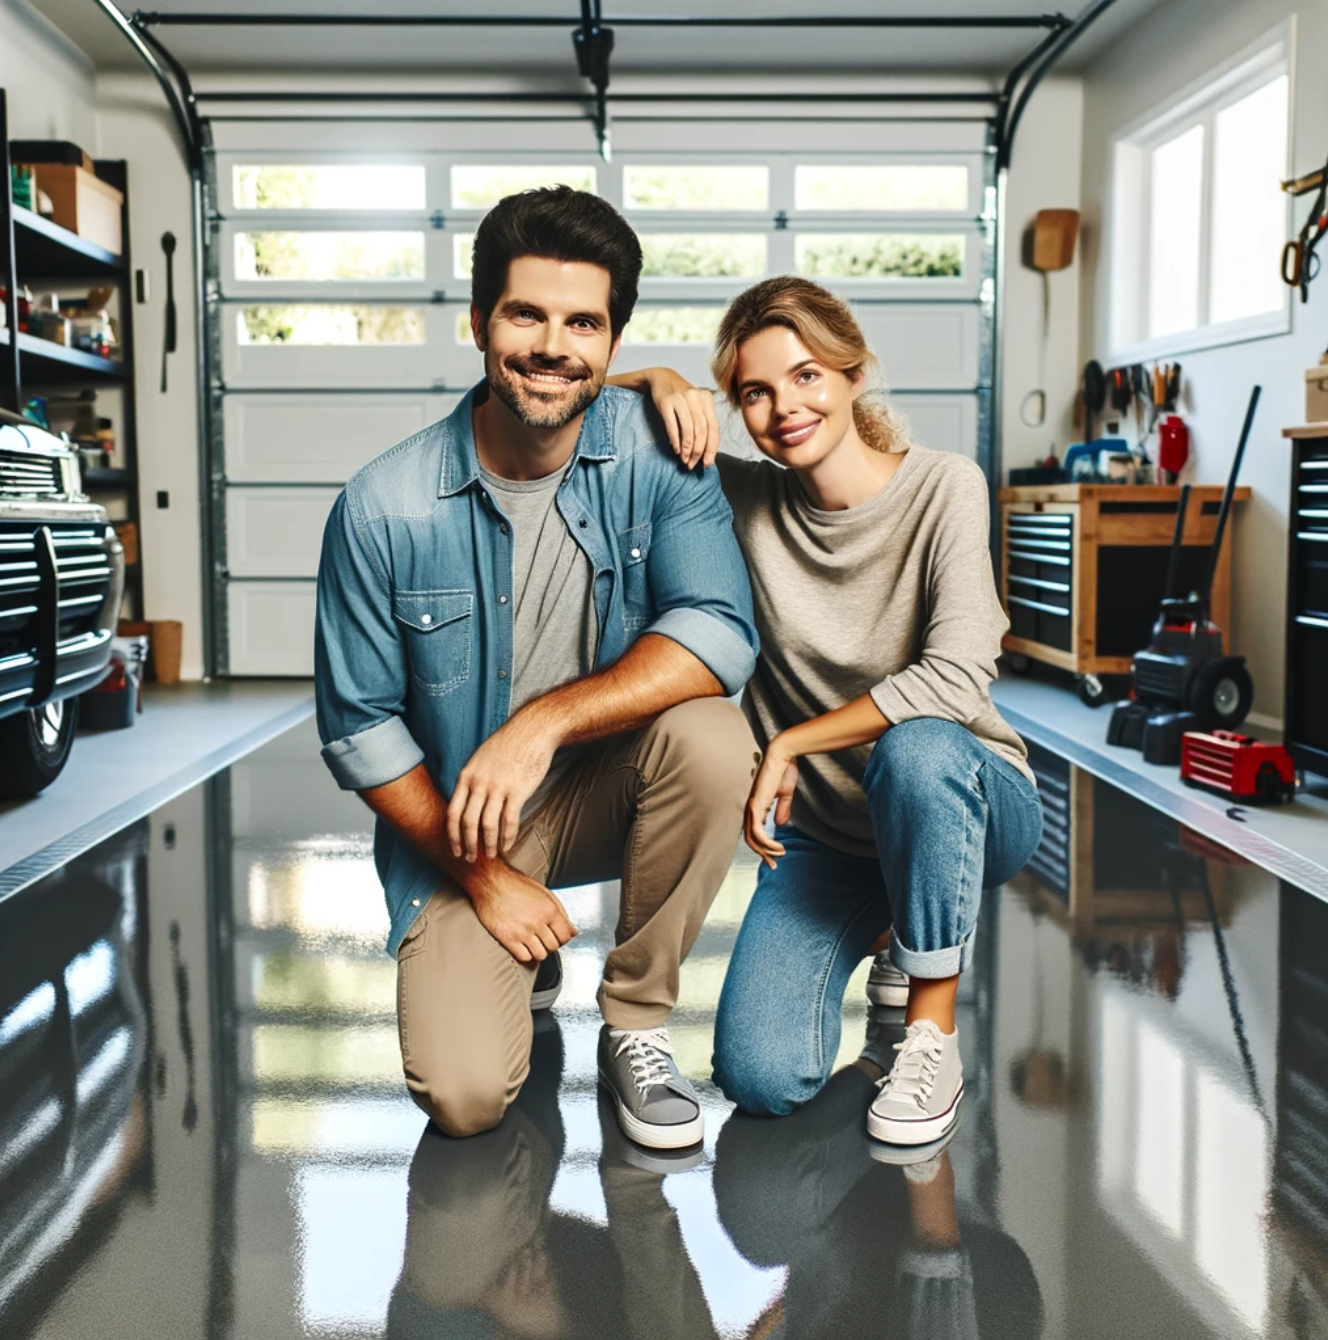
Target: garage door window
{"points": [[328, 257], [329, 186], [330, 324]]}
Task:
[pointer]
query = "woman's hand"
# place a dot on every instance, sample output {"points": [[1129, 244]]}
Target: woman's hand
{"points": [[688, 412], [776, 780]]}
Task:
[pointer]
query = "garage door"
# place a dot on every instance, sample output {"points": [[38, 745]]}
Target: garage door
{"points": [[340, 310]]}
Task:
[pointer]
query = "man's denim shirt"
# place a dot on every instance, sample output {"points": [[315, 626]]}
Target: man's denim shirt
{"points": [[413, 648]]}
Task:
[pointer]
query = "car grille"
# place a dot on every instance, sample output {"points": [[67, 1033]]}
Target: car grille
{"points": [[84, 578], [29, 476]]}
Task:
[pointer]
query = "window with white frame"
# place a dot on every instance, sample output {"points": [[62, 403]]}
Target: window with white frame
{"points": [[1199, 217]]}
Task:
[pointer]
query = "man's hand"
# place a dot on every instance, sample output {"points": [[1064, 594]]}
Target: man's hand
{"points": [[502, 774], [689, 416], [775, 782], [520, 913]]}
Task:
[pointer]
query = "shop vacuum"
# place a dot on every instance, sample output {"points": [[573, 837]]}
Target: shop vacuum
{"points": [[1183, 681]]}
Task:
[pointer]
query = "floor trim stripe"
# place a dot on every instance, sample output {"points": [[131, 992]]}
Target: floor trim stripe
{"points": [[50, 858]]}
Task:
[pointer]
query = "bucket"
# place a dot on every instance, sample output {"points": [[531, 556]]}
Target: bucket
{"points": [[167, 644]]}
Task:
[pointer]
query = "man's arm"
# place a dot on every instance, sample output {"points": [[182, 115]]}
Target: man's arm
{"points": [[519, 912], [654, 674], [361, 690]]}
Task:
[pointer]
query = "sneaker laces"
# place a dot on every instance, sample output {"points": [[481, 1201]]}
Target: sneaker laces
{"points": [[914, 1072], [648, 1050]]}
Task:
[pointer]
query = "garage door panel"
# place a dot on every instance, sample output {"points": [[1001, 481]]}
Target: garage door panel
{"points": [[943, 423], [923, 346], [271, 628], [434, 351], [275, 532], [312, 439]]}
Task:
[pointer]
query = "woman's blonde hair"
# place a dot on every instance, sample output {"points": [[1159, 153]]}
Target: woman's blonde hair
{"points": [[824, 326]]}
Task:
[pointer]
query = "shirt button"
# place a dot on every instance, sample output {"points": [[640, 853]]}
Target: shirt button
{"points": [[636, 553], [502, 600], [414, 902], [582, 524], [503, 528], [426, 618], [502, 674]]}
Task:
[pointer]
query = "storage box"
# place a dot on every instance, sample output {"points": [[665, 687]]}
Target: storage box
{"points": [[1316, 394], [83, 203]]}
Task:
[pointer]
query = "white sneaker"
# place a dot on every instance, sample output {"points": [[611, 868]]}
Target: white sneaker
{"points": [[919, 1099], [886, 985]]}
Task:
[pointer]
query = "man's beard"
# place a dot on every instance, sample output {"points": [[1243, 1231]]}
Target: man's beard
{"points": [[553, 409]]}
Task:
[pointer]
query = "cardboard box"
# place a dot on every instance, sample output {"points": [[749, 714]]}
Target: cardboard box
{"points": [[83, 203], [1316, 394]]}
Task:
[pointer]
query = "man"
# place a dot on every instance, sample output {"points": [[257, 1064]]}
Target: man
{"points": [[527, 617]]}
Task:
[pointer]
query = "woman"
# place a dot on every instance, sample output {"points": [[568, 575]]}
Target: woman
{"points": [[899, 792]]}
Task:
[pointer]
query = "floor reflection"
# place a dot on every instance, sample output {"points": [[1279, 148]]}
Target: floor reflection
{"points": [[205, 1132]]}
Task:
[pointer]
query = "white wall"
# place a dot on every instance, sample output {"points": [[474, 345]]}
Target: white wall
{"points": [[1041, 320], [47, 80], [1173, 45]]}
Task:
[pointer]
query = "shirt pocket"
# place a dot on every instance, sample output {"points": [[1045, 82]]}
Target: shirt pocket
{"points": [[437, 627], [633, 550]]}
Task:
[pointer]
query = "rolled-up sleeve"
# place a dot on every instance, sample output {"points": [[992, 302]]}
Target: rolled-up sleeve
{"points": [[359, 664], [964, 623], [702, 597]]}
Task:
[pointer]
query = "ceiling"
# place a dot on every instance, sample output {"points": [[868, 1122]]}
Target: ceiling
{"points": [[793, 54]]}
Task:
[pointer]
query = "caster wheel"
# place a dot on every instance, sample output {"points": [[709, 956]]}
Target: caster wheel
{"points": [[1223, 692], [1017, 663], [1092, 691]]}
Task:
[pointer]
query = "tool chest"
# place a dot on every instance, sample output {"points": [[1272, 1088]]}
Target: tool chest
{"points": [[1082, 567], [1305, 710]]}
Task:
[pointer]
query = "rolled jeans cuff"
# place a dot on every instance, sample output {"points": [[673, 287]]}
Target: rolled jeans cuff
{"points": [[931, 964]]}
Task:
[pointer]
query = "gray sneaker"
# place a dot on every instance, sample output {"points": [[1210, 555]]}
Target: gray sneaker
{"points": [[886, 985], [656, 1106], [919, 1099]]}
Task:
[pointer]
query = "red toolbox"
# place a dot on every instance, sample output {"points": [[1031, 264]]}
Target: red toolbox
{"points": [[1238, 766]]}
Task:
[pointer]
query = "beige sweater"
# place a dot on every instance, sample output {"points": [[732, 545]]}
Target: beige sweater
{"points": [[894, 598]]}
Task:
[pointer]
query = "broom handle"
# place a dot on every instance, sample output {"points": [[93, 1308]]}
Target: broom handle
{"points": [[1177, 540], [1228, 493]]}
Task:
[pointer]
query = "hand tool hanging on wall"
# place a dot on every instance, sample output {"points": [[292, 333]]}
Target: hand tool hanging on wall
{"points": [[168, 344], [1300, 265], [1095, 396]]}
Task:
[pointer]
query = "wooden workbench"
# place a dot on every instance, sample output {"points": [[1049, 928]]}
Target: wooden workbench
{"points": [[1083, 568]]}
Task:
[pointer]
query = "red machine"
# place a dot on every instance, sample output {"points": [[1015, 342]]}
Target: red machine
{"points": [[1236, 765]]}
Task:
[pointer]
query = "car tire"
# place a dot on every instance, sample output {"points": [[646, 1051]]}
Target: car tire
{"points": [[35, 746]]}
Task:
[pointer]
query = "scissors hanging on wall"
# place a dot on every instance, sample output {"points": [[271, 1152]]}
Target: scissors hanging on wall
{"points": [[1300, 263]]}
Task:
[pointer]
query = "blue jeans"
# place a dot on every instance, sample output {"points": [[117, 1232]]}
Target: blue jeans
{"points": [[950, 818]]}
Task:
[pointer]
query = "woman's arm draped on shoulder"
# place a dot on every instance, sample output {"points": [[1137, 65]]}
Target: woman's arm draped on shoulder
{"points": [[688, 411], [963, 614]]}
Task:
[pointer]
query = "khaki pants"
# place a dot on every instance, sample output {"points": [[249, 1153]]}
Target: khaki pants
{"points": [[661, 809]]}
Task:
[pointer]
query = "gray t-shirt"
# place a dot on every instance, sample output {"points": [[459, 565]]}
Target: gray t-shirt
{"points": [[553, 611], [894, 598]]}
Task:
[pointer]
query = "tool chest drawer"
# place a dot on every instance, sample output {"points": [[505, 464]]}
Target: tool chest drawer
{"points": [[1083, 566], [1040, 576], [1305, 711]]}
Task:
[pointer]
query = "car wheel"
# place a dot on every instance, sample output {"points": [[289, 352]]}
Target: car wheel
{"points": [[35, 746]]}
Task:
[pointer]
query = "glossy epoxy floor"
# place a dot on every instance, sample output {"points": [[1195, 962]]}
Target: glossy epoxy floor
{"points": [[204, 1133]]}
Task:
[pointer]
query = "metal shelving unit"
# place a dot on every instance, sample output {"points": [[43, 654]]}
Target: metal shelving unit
{"points": [[36, 252]]}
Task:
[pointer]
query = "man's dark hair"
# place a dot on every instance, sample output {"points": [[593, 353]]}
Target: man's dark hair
{"points": [[556, 223]]}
